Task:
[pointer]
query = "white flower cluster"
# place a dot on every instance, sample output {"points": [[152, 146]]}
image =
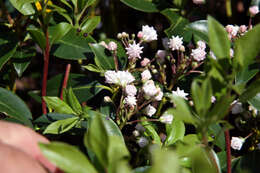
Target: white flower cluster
{"points": [[146, 75], [121, 78], [234, 30], [148, 34], [131, 91], [134, 50], [180, 93], [150, 110], [151, 91], [175, 43], [199, 54]]}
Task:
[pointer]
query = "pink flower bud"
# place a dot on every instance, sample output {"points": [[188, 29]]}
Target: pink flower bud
{"points": [[242, 28], [140, 35], [253, 10], [145, 62], [229, 28], [112, 46]]}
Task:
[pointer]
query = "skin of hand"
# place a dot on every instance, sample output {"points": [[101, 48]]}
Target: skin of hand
{"points": [[26, 140]]}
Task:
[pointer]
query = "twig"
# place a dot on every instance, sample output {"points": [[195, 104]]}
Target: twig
{"points": [[45, 71], [228, 151], [136, 121], [115, 60], [65, 81]]}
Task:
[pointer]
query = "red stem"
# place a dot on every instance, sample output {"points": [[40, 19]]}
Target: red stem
{"points": [[45, 72], [228, 151], [65, 81]]}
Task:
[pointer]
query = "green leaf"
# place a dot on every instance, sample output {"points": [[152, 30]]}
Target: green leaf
{"points": [[218, 39], [97, 140], [142, 5], [151, 132], [164, 161], [182, 110], [22, 59], [23, 6], [218, 133], [255, 101], [93, 68], [67, 157], [73, 46], [13, 106], [6, 53], [200, 29], [175, 131], [246, 74], [38, 36], [90, 24], [177, 24], [56, 32], [250, 91], [73, 101], [247, 47], [103, 57], [201, 96], [61, 126], [58, 105], [51, 117]]}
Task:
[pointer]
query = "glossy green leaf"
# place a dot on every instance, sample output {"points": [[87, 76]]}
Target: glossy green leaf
{"points": [[90, 24], [218, 39], [61, 126], [255, 101], [22, 59], [24, 6], [38, 36], [142, 5], [181, 111], [178, 23], [246, 74], [97, 140], [58, 105], [73, 101], [199, 28], [164, 161], [250, 91], [73, 46], [103, 57], [247, 47], [151, 132], [175, 131], [51, 117], [6, 54], [14, 107], [67, 157], [93, 68], [217, 132], [56, 32]]}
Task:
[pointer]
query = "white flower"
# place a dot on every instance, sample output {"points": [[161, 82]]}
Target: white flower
{"points": [[198, 1], [150, 110], [212, 55], [134, 50], [180, 93], [232, 30], [175, 43], [121, 78], [111, 77], [130, 90], [213, 99], [231, 52], [149, 33], [198, 54], [166, 118], [237, 143], [107, 99], [136, 133], [201, 45], [130, 101], [242, 28], [237, 107], [112, 46], [146, 75], [253, 10], [159, 96], [142, 142], [149, 88]]}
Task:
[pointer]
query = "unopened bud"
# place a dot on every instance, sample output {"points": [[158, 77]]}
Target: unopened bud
{"points": [[133, 36], [182, 49], [140, 35], [253, 10], [112, 46], [107, 99], [136, 133], [124, 34], [119, 35], [242, 28], [154, 71], [145, 62]]}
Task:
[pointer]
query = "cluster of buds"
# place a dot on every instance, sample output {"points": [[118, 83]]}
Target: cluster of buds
{"points": [[235, 31]]}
